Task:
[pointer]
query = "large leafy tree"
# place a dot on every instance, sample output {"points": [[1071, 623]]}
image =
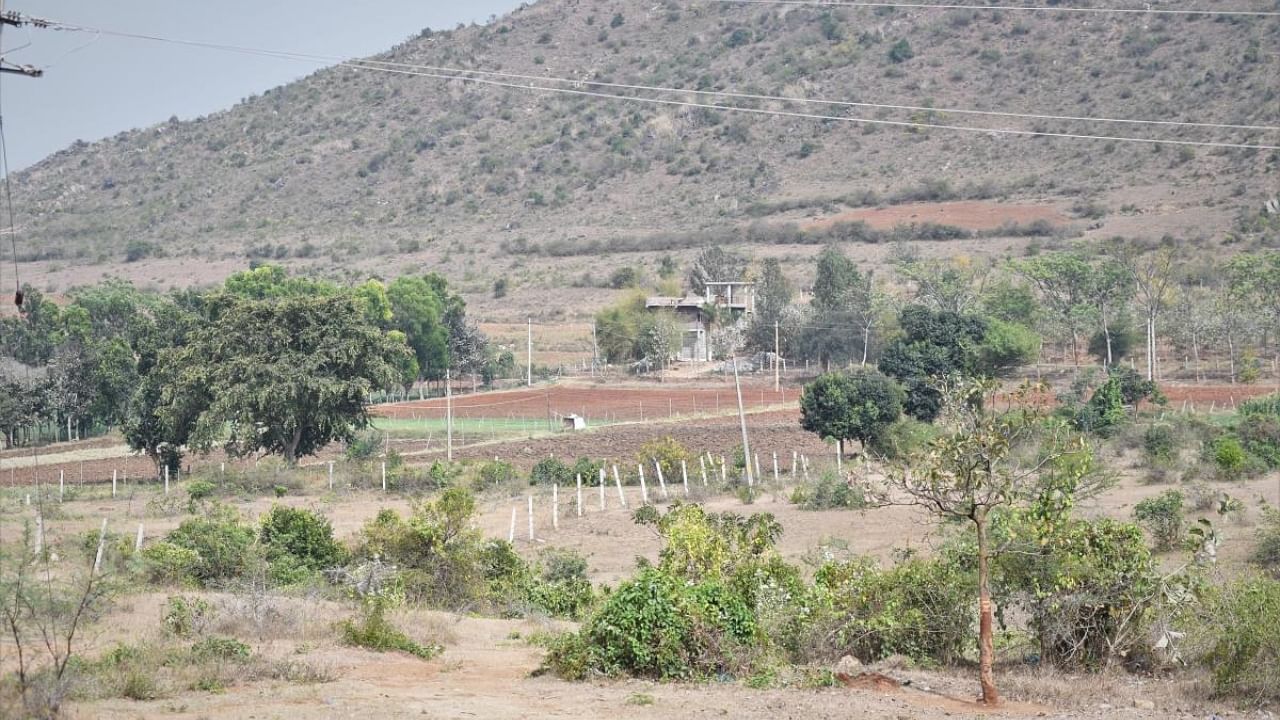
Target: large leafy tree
{"points": [[934, 344], [773, 310], [418, 312], [856, 405], [842, 311], [283, 377]]}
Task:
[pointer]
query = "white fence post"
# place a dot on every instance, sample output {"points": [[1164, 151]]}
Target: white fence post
{"points": [[531, 516], [113, 483], [662, 482], [511, 535], [702, 466], [684, 476], [775, 467], [61, 487], [166, 479], [644, 489], [579, 495], [102, 543], [618, 481], [555, 506], [137, 543], [331, 475], [602, 489], [384, 477]]}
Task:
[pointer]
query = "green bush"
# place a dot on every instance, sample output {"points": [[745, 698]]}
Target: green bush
{"points": [[1229, 457], [923, 609], [1260, 437], [1163, 517], [903, 437], [659, 626], [221, 542], [1239, 631], [560, 586], [168, 564], [298, 543], [373, 631], [494, 474], [668, 453], [1159, 447], [829, 492], [551, 471], [220, 648], [200, 490]]}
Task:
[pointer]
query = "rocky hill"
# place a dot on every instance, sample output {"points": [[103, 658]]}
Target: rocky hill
{"points": [[352, 171]]}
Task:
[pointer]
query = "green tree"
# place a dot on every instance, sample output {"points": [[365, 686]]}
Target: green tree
{"points": [[715, 264], [842, 310], [934, 346], [286, 376], [978, 465], [773, 308], [1065, 280], [418, 312], [856, 405]]}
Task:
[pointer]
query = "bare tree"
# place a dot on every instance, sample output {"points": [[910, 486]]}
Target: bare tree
{"points": [[1152, 272]]}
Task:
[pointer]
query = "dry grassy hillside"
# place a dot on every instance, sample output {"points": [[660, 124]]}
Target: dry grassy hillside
{"points": [[352, 172]]}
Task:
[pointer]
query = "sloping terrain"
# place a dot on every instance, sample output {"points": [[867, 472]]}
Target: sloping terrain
{"points": [[352, 171]]}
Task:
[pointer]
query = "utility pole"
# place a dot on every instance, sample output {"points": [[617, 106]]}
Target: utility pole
{"points": [[595, 349], [742, 420], [529, 353], [19, 20], [448, 405], [777, 358]]}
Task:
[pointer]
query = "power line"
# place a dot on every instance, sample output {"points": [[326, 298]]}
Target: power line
{"points": [[1008, 8], [375, 66], [306, 57]]}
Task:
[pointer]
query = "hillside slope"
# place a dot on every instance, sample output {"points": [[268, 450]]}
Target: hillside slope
{"points": [[347, 169]]}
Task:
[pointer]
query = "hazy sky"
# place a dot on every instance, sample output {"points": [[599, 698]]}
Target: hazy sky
{"points": [[95, 88]]}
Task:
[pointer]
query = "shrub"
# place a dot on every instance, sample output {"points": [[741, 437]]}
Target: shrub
{"points": [[298, 542], [1239, 630], [220, 541], [1267, 552], [550, 471], [830, 491], [903, 438], [200, 490], [561, 587], [1158, 445], [169, 564], [373, 631], [494, 474], [919, 608], [658, 626], [1229, 457], [1260, 437], [901, 51], [668, 453], [1163, 517], [185, 616]]}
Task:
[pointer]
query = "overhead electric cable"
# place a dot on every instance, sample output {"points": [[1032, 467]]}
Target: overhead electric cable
{"points": [[1011, 8], [378, 65], [580, 82]]}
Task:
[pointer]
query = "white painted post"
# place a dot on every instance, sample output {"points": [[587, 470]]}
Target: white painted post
{"points": [[166, 479], [775, 467], [113, 483], [530, 516], [579, 504], [28, 500], [555, 506], [102, 543], [684, 476], [137, 542], [384, 477], [602, 489], [702, 466], [618, 481], [795, 457], [662, 482], [61, 487], [330, 475], [644, 489], [758, 475], [511, 535], [724, 470], [804, 461], [839, 460]]}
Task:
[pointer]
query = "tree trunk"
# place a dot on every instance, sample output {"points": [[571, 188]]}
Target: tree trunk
{"points": [[1151, 346], [986, 616], [1106, 334], [291, 448], [1075, 352], [1195, 353], [866, 338]]}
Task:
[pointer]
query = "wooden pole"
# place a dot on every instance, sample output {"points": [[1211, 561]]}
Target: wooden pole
{"points": [[702, 467], [331, 476], [684, 476], [602, 489], [742, 420], [511, 534], [775, 467], [448, 404], [555, 506], [662, 482], [137, 542], [644, 489], [113, 483], [777, 357], [166, 479], [579, 504], [61, 485], [384, 477]]}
